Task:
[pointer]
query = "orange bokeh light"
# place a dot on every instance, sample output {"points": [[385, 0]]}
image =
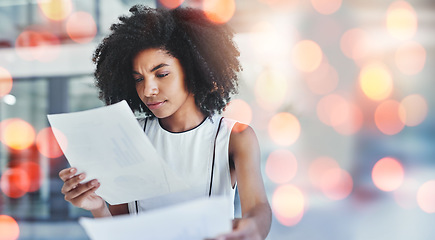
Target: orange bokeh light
{"points": [[401, 21], [318, 167], [354, 44], [281, 166], [387, 117], [219, 11], [426, 196], [284, 129], [37, 45], [376, 81], [239, 110], [413, 110], [47, 143], [15, 182], [56, 10], [6, 82], [270, 90], [336, 184], [410, 58], [307, 55], [17, 133], [81, 27], [388, 174], [171, 4], [326, 6], [33, 171], [288, 203], [9, 228]]}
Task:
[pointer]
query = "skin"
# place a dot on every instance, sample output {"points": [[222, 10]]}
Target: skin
{"points": [[160, 85]]}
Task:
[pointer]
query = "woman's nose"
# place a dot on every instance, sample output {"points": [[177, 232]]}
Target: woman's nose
{"points": [[151, 88]]}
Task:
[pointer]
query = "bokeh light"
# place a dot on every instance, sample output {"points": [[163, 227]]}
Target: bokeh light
{"points": [[323, 80], [33, 171], [9, 228], [401, 20], [336, 184], [354, 43], [426, 196], [388, 174], [281, 166], [376, 81], [270, 89], [37, 45], [47, 144], [284, 129], [239, 110], [219, 11], [81, 27], [17, 133], [318, 167], [171, 4], [56, 10], [410, 58], [6, 82], [288, 204], [413, 110], [387, 117], [326, 6], [307, 55], [15, 182]]}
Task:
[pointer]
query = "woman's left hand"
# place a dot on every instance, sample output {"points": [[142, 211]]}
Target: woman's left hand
{"points": [[243, 228]]}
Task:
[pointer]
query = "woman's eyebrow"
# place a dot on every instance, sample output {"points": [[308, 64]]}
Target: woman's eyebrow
{"points": [[154, 68], [159, 66]]}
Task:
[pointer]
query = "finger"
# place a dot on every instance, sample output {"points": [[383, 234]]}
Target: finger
{"points": [[76, 201], [81, 189], [72, 183], [67, 173]]}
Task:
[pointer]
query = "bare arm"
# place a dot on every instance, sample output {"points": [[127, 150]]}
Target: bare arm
{"points": [[256, 212]]}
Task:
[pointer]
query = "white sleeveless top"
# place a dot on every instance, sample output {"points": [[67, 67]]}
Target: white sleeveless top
{"points": [[190, 154]]}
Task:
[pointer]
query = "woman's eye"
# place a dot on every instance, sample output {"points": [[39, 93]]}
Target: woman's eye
{"points": [[138, 79], [162, 75]]}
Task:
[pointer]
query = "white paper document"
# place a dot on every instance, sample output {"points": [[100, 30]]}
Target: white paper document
{"points": [[108, 144], [199, 219]]}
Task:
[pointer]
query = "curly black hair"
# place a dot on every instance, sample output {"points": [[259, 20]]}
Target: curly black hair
{"points": [[205, 50]]}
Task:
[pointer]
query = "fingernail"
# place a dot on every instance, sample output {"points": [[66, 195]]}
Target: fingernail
{"points": [[81, 176]]}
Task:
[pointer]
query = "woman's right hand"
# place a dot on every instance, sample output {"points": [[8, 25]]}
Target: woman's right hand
{"points": [[81, 195]]}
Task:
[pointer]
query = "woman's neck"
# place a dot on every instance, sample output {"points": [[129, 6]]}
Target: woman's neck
{"points": [[183, 120]]}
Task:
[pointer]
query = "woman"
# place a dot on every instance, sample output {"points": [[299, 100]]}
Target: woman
{"points": [[180, 69]]}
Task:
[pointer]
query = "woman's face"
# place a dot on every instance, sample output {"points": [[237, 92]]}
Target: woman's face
{"points": [[160, 83]]}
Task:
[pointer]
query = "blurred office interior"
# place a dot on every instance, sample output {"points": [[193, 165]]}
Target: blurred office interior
{"points": [[339, 92]]}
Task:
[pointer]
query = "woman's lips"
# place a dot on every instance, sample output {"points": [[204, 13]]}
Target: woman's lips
{"points": [[155, 105]]}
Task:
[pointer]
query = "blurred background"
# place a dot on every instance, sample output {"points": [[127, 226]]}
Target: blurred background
{"points": [[340, 94]]}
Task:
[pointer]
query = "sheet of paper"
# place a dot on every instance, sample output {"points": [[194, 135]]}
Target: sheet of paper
{"points": [[108, 144], [199, 219]]}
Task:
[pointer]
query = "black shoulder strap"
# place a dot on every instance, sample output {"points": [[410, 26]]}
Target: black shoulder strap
{"points": [[214, 154]]}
